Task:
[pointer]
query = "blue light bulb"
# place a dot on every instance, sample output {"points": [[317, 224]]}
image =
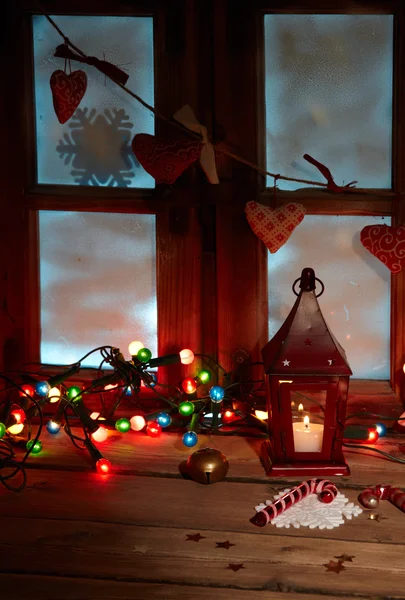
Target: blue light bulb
{"points": [[164, 419], [154, 382], [128, 391], [190, 439], [42, 388], [217, 393], [53, 427], [381, 429]]}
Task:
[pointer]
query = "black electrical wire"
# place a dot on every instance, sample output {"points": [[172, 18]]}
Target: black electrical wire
{"points": [[390, 456]]}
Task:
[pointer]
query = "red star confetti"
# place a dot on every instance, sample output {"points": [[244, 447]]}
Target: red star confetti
{"points": [[234, 567], [225, 545], [345, 558], [334, 566], [194, 537]]}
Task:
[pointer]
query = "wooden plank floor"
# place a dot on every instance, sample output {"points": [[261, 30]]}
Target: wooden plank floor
{"points": [[73, 534]]}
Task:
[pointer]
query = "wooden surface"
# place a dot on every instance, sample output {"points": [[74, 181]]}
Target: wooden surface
{"points": [[73, 534]]}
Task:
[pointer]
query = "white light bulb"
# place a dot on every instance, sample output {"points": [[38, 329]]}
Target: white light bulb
{"points": [[137, 423], [54, 395], [134, 347]]}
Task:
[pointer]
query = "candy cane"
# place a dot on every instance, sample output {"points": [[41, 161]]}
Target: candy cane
{"points": [[370, 497], [325, 490]]}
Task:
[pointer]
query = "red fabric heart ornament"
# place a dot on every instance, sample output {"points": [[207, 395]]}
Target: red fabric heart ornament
{"points": [[164, 159], [387, 244], [67, 92], [274, 226]]}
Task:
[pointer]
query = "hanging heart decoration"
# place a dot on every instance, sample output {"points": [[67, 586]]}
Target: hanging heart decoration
{"points": [[274, 226], [386, 243], [67, 92], [165, 159]]}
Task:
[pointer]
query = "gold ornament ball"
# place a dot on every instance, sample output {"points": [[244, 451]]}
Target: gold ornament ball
{"points": [[207, 466]]}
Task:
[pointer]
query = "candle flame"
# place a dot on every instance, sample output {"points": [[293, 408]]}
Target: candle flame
{"points": [[306, 422], [300, 407]]}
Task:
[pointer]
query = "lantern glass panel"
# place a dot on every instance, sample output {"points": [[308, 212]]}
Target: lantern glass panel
{"points": [[308, 410]]}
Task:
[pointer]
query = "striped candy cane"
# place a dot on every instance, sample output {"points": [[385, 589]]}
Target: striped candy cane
{"points": [[370, 497], [325, 490], [397, 498]]}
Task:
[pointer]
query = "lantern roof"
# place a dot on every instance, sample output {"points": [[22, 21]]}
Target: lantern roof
{"points": [[304, 344]]}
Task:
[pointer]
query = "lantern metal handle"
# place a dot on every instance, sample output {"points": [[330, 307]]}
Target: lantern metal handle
{"points": [[316, 279]]}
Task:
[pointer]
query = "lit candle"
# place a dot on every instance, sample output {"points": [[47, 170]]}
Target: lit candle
{"points": [[308, 436]]}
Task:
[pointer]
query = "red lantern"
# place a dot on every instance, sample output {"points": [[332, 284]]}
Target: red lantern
{"points": [[307, 377]]}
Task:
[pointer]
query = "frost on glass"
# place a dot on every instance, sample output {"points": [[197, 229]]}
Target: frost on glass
{"points": [[93, 148], [328, 93], [98, 283], [356, 300]]}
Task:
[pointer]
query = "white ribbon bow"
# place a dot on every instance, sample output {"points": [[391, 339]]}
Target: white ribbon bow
{"points": [[186, 117]]}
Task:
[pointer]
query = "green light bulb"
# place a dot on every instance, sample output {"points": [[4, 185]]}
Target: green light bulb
{"points": [[35, 448], [204, 376], [144, 355], [186, 408], [73, 393], [2, 430], [123, 425]]}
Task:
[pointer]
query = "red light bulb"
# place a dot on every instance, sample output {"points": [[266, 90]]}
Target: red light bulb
{"points": [[189, 385], [153, 429], [19, 415], [28, 389], [103, 466], [228, 415], [372, 435]]}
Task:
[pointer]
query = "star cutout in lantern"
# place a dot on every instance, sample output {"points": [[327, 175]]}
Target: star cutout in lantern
{"points": [[330, 361], [334, 566], [225, 545], [308, 342], [235, 567], [286, 363], [194, 537], [345, 558]]}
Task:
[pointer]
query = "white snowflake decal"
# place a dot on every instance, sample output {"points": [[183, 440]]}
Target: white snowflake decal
{"points": [[311, 512], [98, 148]]}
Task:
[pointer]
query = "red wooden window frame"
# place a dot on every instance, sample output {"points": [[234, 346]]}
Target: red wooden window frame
{"points": [[241, 257], [178, 231]]}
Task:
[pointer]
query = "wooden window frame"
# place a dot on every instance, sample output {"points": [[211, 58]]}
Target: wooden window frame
{"points": [[178, 232], [212, 271], [241, 257]]}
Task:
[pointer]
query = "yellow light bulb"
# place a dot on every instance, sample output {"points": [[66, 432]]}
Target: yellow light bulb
{"points": [[300, 407], [134, 347], [16, 429], [262, 415], [54, 395], [110, 386]]}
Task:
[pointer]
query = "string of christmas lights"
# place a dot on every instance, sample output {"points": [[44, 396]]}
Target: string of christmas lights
{"points": [[216, 410]]}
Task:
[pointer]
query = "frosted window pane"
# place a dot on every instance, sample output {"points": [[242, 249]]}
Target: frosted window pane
{"points": [[94, 146], [356, 301], [98, 283], [328, 86]]}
